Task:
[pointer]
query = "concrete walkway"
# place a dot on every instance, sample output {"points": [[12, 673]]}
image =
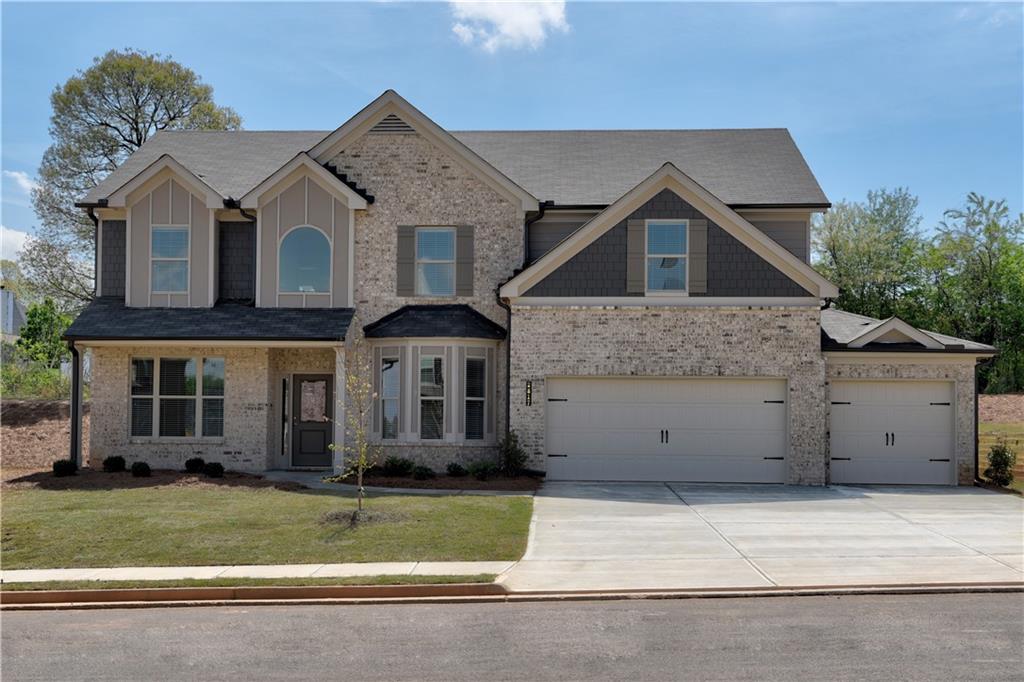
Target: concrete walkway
{"points": [[314, 481], [685, 536], [273, 571]]}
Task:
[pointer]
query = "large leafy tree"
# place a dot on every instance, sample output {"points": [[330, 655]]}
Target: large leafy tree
{"points": [[41, 336], [100, 116], [975, 268], [871, 250]]}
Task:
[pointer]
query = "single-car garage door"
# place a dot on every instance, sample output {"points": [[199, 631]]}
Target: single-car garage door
{"points": [[673, 429], [892, 432]]}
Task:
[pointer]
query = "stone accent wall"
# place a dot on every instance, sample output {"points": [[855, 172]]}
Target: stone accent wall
{"points": [[415, 182], [699, 342], [246, 409], [961, 373]]}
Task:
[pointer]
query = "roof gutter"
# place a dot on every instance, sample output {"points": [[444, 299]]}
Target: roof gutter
{"points": [[91, 210]]}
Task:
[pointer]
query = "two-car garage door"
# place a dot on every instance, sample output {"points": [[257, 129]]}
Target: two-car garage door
{"points": [[652, 429]]}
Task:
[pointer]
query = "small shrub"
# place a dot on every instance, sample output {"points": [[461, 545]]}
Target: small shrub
{"points": [[422, 473], [64, 467], [482, 470], [456, 470], [511, 455], [113, 464], [398, 466], [141, 470], [194, 465], [214, 469], [1001, 459]]}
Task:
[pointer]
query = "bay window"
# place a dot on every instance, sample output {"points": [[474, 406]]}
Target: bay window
{"points": [[476, 382], [431, 397], [390, 387]]}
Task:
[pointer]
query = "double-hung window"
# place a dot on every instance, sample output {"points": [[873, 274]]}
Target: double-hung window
{"points": [[431, 397], [390, 387], [168, 264], [170, 399], [666, 256], [476, 390], [435, 261]]}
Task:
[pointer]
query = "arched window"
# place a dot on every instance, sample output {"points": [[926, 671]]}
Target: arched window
{"points": [[305, 264]]}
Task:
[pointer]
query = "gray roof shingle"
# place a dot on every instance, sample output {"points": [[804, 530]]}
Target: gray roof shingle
{"points": [[839, 327], [569, 167], [111, 319], [427, 321]]}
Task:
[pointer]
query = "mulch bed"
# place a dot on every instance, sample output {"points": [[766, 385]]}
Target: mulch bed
{"points": [[35, 433], [91, 479], [1007, 408], [520, 483]]}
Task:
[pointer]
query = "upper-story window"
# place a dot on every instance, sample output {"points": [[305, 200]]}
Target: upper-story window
{"points": [[435, 261], [169, 259], [666, 256], [305, 265]]}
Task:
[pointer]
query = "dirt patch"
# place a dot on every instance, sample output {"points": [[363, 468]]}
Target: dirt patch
{"points": [[353, 518], [1007, 408], [90, 479], [520, 483], [34, 433]]}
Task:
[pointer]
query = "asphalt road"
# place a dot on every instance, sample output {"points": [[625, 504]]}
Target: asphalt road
{"points": [[933, 637]]}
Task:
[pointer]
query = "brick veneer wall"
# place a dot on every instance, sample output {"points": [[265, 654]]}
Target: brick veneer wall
{"points": [[699, 342], [244, 445], [961, 373]]}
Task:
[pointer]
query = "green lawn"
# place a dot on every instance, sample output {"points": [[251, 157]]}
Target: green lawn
{"points": [[989, 433], [166, 526], [248, 582]]}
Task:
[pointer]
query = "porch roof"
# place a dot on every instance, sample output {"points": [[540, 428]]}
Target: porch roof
{"points": [[107, 319], [435, 321]]}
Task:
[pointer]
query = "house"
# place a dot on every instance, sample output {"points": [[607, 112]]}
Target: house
{"points": [[12, 315], [636, 305]]}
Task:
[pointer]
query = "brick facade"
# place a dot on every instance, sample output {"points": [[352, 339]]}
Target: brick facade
{"points": [[698, 342], [961, 373]]}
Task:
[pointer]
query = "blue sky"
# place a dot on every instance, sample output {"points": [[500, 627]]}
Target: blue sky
{"points": [[927, 96]]}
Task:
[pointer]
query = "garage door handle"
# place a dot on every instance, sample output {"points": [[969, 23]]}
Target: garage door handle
{"points": [[892, 438], [840, 459], [558, 400], [939, 460], [774, 458], [558, 455]]}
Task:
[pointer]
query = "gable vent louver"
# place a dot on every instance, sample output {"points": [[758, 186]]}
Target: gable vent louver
{"points": [[391, 124]]}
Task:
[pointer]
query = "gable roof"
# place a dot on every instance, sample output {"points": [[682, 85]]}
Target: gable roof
{"points": [[430, 321], [390, 104], [742, 167], [756, 167], [670, 177], [167, 162], [353, 199], [841, 329]]}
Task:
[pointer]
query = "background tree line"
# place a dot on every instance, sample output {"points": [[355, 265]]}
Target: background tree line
{"points": [[965, 278]]}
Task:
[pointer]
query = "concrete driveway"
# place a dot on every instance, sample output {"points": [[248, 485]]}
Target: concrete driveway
{"points": [[615, 536]]}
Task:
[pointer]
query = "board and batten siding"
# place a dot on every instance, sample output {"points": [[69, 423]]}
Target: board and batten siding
{"points": [[303, 202], [169, 204]]}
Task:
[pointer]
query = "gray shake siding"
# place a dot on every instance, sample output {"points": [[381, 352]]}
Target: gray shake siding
{"points": [[732, 268], [237, 262], [112, 259]]}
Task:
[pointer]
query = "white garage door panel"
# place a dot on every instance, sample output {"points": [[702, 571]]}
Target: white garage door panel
{"points": [[717, 429], [892, 432]]}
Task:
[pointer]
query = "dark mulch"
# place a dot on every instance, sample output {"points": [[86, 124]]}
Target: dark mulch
{"points": [[35, 433], [520, 483], [91, 479], [1007, 408]]}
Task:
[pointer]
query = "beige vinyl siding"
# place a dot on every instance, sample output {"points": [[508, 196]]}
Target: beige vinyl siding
{"points": [[302, 202], [168, 203]]}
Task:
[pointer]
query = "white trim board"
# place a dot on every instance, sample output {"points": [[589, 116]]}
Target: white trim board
{"points": [[190, 180], [901, 328], [332, 184], [670, 177]]}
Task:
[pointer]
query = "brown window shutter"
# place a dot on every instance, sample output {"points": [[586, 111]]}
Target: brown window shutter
{"points": [[635, 241], [406, 279], [464, 260], [698, 257]]}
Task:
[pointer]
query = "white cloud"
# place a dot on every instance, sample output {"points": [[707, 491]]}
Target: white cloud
{"points": [[11, 242], [496, 25], [24, 182]]}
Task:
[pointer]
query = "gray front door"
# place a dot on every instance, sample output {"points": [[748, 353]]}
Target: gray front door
{"points": [[312, 423]]}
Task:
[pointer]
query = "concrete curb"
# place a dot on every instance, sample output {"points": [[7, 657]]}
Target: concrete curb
{"points": [[461, 593]]}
